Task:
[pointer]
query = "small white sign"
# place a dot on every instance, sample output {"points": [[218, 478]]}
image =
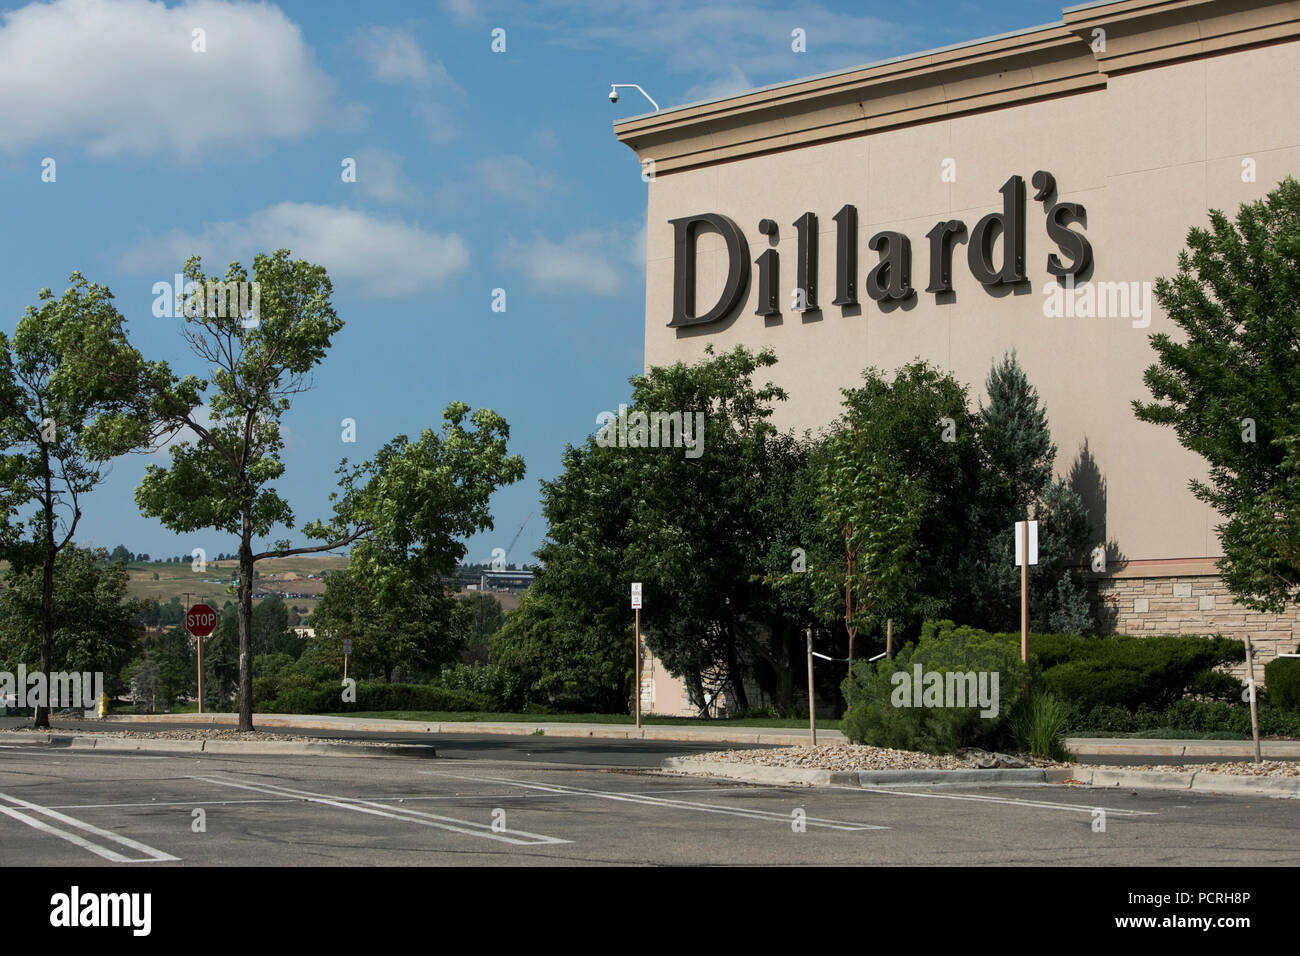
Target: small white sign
{"points": [[636, 595], [1033, 542], [347, 646]]}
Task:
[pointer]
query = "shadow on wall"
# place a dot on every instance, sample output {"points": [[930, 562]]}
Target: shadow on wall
{"points": [[1087, 481]]}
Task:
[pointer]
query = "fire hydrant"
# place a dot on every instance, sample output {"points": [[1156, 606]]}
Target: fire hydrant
{"points": [[103, 706]]}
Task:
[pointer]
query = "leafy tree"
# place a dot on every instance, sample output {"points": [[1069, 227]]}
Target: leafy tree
{"points": [[417, 626], [95, 622], [120, 554], [402, 511], [560, 663], [901, 479], [1228, 388], [484, 617], [67, 381]]}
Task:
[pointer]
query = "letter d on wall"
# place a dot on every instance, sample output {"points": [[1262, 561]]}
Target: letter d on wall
{"points": [[685, 231]]}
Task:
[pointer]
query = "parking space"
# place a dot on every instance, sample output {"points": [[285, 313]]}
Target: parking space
{"points": [[66, 808]]}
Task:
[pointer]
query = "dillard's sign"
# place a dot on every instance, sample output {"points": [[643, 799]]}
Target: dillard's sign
{"points": [[891, 278]]}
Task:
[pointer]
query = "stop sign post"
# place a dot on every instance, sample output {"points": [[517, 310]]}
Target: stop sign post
{"points": [[199, 621]]}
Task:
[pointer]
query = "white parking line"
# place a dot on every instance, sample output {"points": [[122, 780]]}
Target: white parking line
{"points": [[665, 802], [467, 827], [1008, 801], [151, 855]]}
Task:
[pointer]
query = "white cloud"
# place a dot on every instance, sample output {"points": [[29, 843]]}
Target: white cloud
{"points": [[731, 82], [585, 261], [121, 76], [387, 257], [379, 174], [703, 41], [462, 11], [516, 179], [395, 57]]}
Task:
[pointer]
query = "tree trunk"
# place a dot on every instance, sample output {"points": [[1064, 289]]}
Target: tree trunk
{"points": [[734, 671], [246, 626], [42, 710], [784, 672]]}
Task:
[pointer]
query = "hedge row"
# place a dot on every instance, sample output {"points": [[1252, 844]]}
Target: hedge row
{"points": [[273, 695], [1199, 716]]}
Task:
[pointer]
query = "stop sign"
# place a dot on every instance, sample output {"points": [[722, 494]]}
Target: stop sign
{"points": [[200, 620]]}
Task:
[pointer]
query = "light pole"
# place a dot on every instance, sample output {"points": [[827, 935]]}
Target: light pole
{"points": [[614, 88]]}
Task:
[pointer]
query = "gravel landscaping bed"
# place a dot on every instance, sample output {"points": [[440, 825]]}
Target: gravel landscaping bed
{"points": [[862, 757], [1269, 768]]}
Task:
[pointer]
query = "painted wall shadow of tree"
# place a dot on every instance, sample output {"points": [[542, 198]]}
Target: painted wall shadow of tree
{"points": [[1087, 481]]}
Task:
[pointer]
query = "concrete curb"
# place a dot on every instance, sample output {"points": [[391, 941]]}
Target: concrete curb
{"points": [[851, 778], [1196, 780], [1159, 747], [284, 748], [768, 736], [1150, 779]]}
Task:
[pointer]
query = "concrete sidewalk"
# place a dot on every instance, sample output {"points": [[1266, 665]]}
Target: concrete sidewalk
{"points": [[1166, 750]]}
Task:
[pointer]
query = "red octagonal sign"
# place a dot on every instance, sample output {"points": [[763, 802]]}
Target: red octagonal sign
{"points": [[200, 620]]}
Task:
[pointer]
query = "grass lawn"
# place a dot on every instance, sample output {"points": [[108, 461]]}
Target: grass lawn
{"points": [[442, 716]]}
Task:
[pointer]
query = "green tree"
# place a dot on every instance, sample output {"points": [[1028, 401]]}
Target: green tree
{"points": [[96, 627], [417, 626], [402, 511], [559, 663], [484, 617], [901, 480], [67, 384], [1017, 484], [1228, 387]]}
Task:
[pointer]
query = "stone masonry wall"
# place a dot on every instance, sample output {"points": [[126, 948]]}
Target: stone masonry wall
{"points": [[1195, 604]]}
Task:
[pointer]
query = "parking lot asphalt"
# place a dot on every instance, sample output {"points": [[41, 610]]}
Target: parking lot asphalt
{"points": [[565, 807]]}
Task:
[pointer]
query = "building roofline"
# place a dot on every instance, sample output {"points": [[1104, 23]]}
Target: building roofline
{"points": [[1036, 63]]}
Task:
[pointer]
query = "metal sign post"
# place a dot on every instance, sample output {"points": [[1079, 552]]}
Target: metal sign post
{"points": [[812, 711], [1026, 554], [636, 650], [1254, 712], [347, 650]]}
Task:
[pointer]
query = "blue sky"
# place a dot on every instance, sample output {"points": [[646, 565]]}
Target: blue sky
{"points": [[476, 170]]}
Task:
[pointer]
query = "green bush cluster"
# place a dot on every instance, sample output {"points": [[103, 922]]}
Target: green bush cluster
{"points": [[502, 689], [873, 716], [1282, 679], [1194, 716], [1130, 672], [1118, 684], [300, 695]]}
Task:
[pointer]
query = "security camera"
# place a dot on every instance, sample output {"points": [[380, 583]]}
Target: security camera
{"points": [[613, 96]]}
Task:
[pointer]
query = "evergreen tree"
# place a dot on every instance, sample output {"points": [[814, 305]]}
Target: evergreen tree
{"points": [[1017, 484]]}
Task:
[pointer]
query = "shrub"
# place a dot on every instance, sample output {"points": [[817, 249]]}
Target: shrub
{"points": [[1038, 724], [1282, 678], [295, 695], [496, 687], [875, 716], [1130, 672]]}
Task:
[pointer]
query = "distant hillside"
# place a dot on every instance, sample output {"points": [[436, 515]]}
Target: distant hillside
{"points": [[300, 575]]}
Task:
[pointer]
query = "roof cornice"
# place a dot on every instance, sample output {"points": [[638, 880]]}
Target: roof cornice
{"points": [[1035, 64]]}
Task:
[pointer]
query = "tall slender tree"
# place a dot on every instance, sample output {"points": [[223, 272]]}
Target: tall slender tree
{"points": [[69, 384], [402, 512]]}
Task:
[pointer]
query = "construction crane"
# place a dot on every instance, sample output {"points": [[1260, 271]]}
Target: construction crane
{"points": [[515, 540]]}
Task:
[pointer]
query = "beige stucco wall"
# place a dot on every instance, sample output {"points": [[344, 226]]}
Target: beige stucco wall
{"points": [[1147, 154]]}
